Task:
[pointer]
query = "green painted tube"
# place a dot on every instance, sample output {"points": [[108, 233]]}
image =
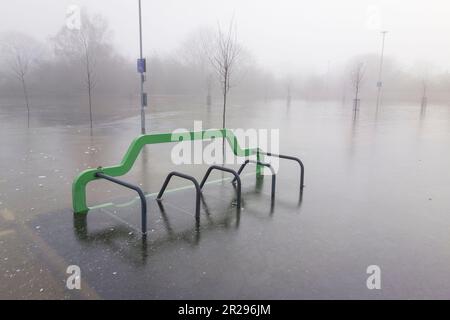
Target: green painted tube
{"points": [[81, 181]]}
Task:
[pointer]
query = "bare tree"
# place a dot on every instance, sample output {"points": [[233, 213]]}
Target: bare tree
{"points": [[344, 92], [424, 97], [21, 52], [288, 82], [223, 59], [357, 77], [85, 45], [209, 84], [424, 70]]}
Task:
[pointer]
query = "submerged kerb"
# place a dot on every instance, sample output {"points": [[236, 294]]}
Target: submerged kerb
{"points": [[81, 181]]}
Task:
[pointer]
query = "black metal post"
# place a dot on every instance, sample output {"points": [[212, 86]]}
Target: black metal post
{"points": [[187, 177], [302, 168], [241, 168], [135, 188], [236, 178]]}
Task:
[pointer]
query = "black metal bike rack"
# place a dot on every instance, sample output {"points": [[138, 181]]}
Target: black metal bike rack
{"points": [[281, 156], [236, 178], [199, 187], [135, 188], [187, 177], [169, 229], [261, 164]]}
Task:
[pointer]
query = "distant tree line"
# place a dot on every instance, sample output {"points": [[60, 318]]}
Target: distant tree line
{"points": [[84, 63]]}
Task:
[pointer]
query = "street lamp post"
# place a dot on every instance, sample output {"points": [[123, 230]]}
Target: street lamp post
{"points": [[141, 66], [380, 71]]}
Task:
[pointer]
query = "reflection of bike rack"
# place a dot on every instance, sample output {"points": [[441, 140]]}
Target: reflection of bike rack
{"points": [[198, 190], [135, 188], [113, 238]]}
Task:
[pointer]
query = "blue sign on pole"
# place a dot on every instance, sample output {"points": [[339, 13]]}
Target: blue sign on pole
{"points": [[141, 65]]}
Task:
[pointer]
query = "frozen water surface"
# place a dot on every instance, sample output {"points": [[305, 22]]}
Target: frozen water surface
{"points": [[376, 194]]}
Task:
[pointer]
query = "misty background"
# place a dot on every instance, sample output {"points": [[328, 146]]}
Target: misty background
{"points": [[289, 50]]}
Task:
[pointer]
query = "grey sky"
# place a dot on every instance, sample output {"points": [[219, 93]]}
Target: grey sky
{"points": [[281, 34]]}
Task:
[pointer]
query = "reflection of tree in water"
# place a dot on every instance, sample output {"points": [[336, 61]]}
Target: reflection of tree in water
{"points": [[353, 132]]}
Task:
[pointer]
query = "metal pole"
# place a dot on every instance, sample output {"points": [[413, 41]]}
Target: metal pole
{"points": [[142, 74], [380, 83]]}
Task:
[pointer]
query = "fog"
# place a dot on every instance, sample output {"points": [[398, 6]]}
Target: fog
{"points": [[306, 50], [282, 33]]}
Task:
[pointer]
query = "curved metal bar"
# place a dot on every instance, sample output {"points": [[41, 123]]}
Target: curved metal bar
{"points": [[187, 177], [241, 168], [281, 156], [135, 188], [236, 178]]}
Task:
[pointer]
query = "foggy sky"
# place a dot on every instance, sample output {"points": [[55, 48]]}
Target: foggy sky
{"points": [[281, 34]]}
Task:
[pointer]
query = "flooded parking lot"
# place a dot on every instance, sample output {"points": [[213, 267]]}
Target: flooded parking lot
{"points": [[376, 194]]}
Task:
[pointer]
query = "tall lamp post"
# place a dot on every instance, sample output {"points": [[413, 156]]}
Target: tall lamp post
{"points": [[380, 71], [141, 67]]}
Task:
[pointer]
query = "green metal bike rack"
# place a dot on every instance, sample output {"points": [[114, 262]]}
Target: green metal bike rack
{"points": [[81, 181]]}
